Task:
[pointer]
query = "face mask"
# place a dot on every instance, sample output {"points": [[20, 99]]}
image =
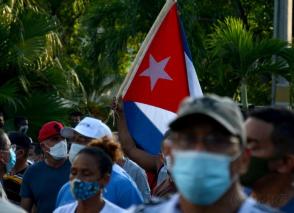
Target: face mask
{"points": [[202, 178], [59, 150], [257, 169], [74, 150], [82, 190], [11, 162], [23, 129]]}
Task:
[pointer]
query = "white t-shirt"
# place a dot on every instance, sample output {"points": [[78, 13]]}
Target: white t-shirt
{"points": [[108, 208]]}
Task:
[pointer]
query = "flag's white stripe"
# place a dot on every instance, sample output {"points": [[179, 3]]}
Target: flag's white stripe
{"points": [[158, 116], [194, 86]]}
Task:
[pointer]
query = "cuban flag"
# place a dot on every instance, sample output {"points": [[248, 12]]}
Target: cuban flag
{"points": [[161, 76]]}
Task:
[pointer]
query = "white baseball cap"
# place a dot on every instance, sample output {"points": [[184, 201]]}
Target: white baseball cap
{"points": [[89, 127]]}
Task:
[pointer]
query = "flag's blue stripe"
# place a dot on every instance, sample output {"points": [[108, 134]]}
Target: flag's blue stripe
{"points": [[146, 135], [184, 40]]}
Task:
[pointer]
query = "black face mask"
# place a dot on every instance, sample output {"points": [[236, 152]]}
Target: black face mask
{"points": [[257, 169]]}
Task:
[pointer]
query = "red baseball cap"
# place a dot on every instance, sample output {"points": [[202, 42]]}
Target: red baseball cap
{"points": [[49, 130]]}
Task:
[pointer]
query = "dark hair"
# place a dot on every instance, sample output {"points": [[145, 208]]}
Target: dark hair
{"points": [[76, 113], [18, 120], [103, 161], [110, 147], [283, 127], [22, 141]]}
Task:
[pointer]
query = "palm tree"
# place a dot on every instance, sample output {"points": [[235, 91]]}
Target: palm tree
{"points": [[33, 77], [234, 46]]}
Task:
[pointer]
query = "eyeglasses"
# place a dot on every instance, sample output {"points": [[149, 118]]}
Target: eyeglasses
{"points": [[216, 143]]}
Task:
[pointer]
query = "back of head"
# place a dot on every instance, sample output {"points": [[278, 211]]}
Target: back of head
{"points": [[20, 140], [19, 121], [110, 147], [102, 159], [282, 121]]}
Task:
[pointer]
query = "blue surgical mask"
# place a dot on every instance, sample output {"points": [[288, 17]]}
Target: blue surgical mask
{"points": [[83, 190], [11, 162], [202, 178]]}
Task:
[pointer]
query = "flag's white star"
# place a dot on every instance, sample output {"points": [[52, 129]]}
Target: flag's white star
{"points": [[156, 71]]}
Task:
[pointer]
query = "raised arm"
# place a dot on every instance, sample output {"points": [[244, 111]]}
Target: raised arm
{"points": [[144, 159]]}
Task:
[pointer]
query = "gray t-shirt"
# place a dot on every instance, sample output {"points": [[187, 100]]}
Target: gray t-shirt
{"points": [[139, 176], [6, 206]]}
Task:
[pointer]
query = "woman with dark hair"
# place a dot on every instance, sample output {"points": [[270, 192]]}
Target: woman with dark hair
{"points": [[90, 172]]}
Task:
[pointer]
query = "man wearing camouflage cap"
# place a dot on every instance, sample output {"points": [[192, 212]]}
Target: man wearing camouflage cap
{"points": [[208, 158]]}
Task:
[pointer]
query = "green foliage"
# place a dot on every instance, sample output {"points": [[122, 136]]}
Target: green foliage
{"points": [[57, 55], [32, 78], [233, 45]]}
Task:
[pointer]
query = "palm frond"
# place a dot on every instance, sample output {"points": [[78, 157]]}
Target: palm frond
{"points": [[8, 95]]}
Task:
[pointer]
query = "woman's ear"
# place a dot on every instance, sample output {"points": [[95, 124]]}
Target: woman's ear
{"points": [[104, 180]]}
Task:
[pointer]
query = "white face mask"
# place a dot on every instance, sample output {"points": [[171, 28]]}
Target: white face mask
{"points": [[74, 150], [59, 150]]}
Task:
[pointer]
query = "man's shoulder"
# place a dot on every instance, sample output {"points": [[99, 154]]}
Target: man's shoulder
{"points": [[133, 167], [120, 174], [132, 164], [37, 165], [252, 206], [35, 169], [65, 188]]}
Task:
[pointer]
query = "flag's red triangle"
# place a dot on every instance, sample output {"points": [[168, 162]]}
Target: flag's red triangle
{"points": [[166, 48]]}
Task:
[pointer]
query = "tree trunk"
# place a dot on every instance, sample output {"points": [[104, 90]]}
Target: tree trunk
{"points": [[244, 98]]}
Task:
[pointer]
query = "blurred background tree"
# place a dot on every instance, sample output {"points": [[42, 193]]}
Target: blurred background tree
{"points": [[57, 56]]}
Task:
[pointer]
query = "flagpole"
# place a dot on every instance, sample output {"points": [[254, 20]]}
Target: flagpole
{"points": [[144, 47]]}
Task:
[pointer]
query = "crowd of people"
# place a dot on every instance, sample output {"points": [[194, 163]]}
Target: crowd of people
{"points": [[213, 159]]}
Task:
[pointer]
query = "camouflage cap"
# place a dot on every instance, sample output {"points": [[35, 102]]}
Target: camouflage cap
{"points": [[221, 109]]}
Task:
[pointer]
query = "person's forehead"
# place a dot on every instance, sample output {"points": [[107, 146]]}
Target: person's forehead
{"points": [[258, 129], [53, 139], [198, 128], [84, 161]]}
